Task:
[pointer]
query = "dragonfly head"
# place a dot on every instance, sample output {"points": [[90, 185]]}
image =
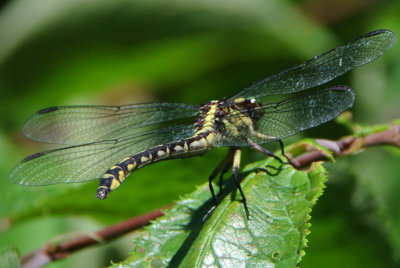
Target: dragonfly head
{"points": [[242, 100], [246, 103], [249, 106]]}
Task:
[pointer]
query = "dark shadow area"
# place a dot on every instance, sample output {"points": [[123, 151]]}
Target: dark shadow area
{"points": [[196, 224]]}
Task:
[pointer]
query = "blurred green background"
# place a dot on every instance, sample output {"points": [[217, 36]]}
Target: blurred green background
{"points": [[119, 52]]}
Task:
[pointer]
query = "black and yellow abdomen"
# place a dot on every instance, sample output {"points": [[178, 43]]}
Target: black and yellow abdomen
{"points": [[193, 146]]}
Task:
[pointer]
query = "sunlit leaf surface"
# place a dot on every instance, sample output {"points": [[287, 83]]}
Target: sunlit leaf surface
{"points": [[274, 236]]}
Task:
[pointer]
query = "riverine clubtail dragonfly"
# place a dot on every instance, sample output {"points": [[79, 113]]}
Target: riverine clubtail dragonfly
{"points": [[107, 143]]}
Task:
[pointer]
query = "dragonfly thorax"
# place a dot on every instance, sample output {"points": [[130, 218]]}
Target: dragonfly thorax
{"points": [[227, 118]]}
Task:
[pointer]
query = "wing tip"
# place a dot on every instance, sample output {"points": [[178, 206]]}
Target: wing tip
{"points": [[391, 36], [28, 128], [380, 31], [348, 90]]}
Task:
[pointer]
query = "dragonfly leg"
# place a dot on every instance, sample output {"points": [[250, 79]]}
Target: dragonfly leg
{"points": [[264, 151], [283, 153], [235, 172], [222, 167], [221, 178], [234, 155]]}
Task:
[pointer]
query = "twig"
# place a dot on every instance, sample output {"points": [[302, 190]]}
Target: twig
{"points": [[50, 252], [349, 145]]}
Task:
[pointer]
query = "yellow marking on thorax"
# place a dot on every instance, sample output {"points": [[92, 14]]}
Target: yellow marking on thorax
{"points": [[239, 122], [231, 128], [210, 137], [234, 123], [249, 123]]}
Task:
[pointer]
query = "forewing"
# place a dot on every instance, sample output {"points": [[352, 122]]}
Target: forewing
{"points": [[323, 68], [283, 119], [89, 161], [74, 125]]}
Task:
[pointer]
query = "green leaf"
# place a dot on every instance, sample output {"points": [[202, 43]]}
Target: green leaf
{"points": [[273, 236], [9, 258]]}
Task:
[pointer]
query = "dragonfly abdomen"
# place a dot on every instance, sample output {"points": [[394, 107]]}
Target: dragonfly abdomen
{"points": [[194, 146]]}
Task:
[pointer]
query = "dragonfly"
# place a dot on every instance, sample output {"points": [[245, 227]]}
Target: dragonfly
{"points": [[107, 143]]}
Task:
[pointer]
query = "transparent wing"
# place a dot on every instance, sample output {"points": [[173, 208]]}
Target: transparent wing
{"points": [[286, 118], [74, 125], [323, 68], [89, 161]]}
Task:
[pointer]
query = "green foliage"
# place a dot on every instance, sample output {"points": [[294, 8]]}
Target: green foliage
{"points": [[274, 235], [9, 258]]}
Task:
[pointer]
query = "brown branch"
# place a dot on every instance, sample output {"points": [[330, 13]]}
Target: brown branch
{"points": [[327, 14], [348, 145], [51, 252]]}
